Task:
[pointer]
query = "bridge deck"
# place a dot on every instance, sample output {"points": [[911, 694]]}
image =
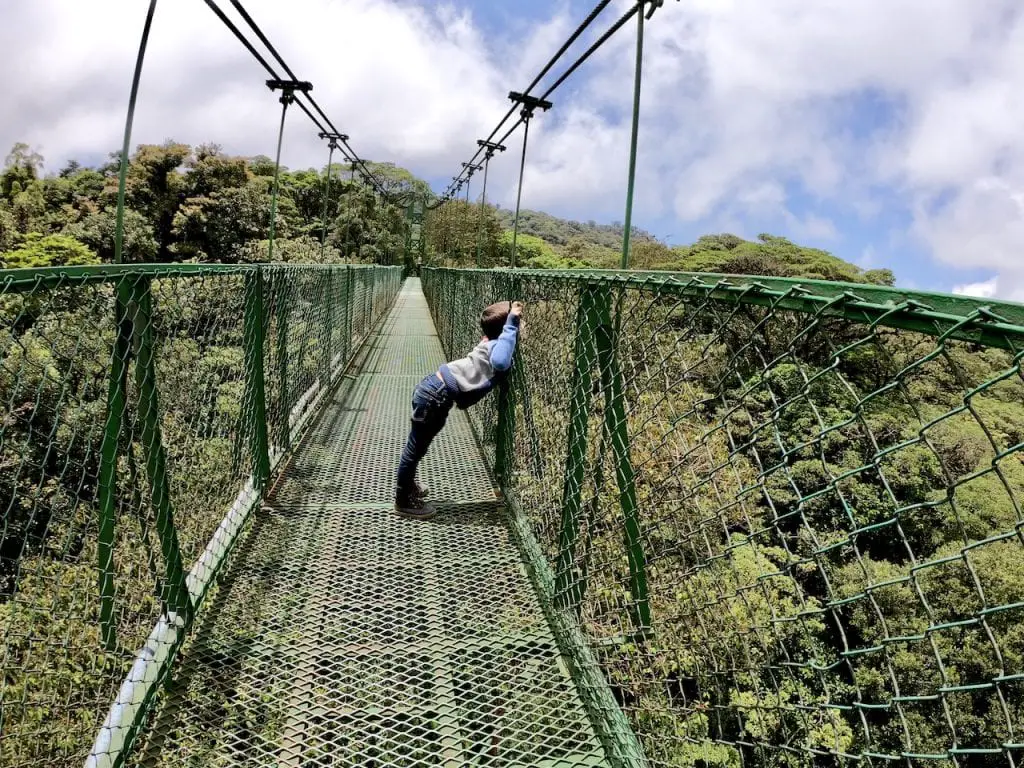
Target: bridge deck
{"points": [[343, 635]]}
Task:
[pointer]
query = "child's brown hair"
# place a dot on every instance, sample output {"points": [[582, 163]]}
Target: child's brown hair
{"points": [[492, 319]]}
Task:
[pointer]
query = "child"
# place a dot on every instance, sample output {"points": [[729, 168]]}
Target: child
{"points": [[462, 383]]}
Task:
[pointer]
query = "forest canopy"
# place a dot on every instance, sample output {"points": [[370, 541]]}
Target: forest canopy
{"points": [[195, 204], [201, 204]]}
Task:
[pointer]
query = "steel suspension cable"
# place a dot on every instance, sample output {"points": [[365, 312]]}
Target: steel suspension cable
{"points": [[636, 9], [273, 52], [323, 123], [122, 181], [580, 29], [593, 48]]}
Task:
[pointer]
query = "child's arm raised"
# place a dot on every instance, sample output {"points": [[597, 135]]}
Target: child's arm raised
{"points": [[505, 344]]}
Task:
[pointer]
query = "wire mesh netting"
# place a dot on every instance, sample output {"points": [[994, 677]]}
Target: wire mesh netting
{"points": [[133, 401], [784, 517], [343, 635]]}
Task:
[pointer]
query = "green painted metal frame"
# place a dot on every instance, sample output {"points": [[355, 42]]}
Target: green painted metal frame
{"points": [[35, 278], [596, 339], [985, 321], [606, 334], [281, 307], [568, 590], [181, 592], [254, 383], [327, 354], [175, 590], [115, 407]]}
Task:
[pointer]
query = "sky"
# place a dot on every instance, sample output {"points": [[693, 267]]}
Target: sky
{"points": [[889, 132]]}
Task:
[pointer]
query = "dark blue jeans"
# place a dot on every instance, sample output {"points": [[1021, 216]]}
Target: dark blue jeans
{"points": [[431, 403]]}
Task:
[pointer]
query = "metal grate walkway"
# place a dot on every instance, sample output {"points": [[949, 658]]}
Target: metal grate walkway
{"points": [[343, 635]]}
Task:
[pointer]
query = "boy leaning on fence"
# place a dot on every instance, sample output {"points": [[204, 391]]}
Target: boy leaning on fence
{"points": [[463, 383]]}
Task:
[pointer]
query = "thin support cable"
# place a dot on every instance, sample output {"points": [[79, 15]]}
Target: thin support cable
{"points": [[483, 206], [327, 194], [529, 104], [273, 52], [593, 48], [323, 123], [637, 80], [583, 26], [263, 38], [241, 38], [652, 6], [122, 181], [286, 98], [519, 193]]}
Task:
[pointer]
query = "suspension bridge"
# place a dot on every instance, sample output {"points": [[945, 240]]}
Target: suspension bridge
{"points": [[709, 520]]}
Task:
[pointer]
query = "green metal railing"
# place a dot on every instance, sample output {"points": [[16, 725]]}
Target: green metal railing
{"points": [[781, 519], [143, 411]]}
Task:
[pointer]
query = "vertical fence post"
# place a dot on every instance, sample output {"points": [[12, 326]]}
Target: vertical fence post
{"points": [[254, 381], [450, 300], [329, 328], [118, 370], [176, 594], [348, 313], [365, 330], [607, 337], [567, 587], [506, 409], [281, 285], [116, 401]]}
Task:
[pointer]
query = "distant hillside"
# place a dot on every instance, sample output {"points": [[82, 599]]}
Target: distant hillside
{"points": [[565, 243], [768, 255], [560, 232]]}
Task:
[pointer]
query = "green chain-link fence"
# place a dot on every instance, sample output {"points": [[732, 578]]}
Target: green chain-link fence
{"points": [[142, 411], [781, 519]]}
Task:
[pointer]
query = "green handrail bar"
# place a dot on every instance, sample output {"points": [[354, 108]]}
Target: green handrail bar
{"points": [[817, 489], [136, 485]]}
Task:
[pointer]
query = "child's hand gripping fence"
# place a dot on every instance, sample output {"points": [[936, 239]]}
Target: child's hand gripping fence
{"points": [[782, 517], [143, 411]]}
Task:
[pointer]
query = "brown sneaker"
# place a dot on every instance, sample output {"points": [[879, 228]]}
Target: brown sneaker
{"points": [[414, 508]]}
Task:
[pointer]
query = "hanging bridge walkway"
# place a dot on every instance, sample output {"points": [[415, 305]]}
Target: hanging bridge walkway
{"points": [[708, 521], [366, 639]]}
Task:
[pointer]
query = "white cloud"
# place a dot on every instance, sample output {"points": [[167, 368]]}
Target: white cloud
{"points": [[751, 108], [407, 83], [986, 289]]}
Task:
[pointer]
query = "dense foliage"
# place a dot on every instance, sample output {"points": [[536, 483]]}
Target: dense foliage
{"points": [[59, 674], [459, 231], [830, 510], [197, 204], [829, 514]]}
